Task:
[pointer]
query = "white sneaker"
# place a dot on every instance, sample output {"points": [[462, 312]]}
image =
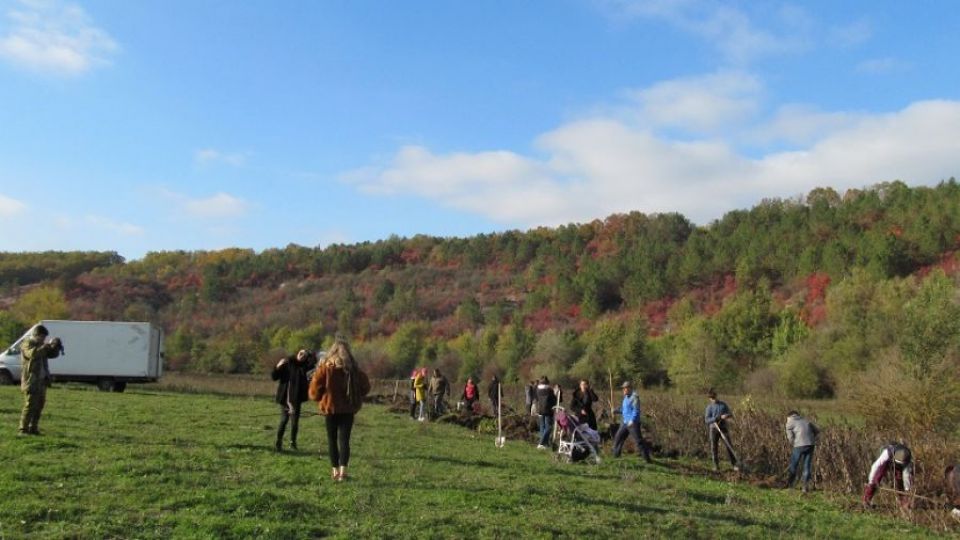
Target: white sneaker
{"points": [[541, 447]]}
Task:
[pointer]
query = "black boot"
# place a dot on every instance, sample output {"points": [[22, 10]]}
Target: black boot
{"points": [[279, 446]]}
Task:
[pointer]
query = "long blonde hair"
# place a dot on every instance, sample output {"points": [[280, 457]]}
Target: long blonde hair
{"points": [[340, 356]]}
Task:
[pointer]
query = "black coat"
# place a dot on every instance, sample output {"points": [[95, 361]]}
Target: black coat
{"points": [[583, 401], [494, 391], [546, 400], [292, 378]]}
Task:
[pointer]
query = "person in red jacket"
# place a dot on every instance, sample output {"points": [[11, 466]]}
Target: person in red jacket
{"points": [[339, 387], [471, 395]]}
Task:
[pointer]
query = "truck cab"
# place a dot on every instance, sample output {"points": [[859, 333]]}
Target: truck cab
{"points": [[10, 367]]}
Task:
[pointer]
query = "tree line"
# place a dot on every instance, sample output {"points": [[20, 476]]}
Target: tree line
{"points": [[803, 296]]}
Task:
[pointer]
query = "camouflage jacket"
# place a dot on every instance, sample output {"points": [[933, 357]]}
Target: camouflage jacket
{"points": [[34, 354]]}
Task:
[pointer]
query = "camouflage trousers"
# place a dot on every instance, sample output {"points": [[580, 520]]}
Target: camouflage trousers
{"points": [[34, 399]]}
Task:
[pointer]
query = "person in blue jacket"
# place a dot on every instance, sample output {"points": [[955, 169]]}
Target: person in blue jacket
{"points": [[630, 410], [716, 417]]}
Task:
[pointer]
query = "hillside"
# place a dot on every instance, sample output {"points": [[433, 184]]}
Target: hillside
{"points": [[150, 464], [796, 297]]}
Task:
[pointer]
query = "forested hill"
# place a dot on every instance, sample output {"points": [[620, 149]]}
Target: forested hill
{"points": [[795, 296]]}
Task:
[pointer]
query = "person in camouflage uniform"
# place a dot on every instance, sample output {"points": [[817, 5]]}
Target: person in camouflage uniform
{"points": [[35, 377]]}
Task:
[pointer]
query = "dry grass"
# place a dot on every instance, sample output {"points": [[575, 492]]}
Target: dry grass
{"points": [[197, 383]]}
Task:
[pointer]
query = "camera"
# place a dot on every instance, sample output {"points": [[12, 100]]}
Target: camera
{"points": [[58, 345]]}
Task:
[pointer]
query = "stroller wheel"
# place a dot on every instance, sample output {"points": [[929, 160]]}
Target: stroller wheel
{"points": [[562, 458]]}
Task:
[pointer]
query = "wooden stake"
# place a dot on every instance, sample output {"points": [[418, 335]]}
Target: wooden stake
{"points": [[613, 408]]}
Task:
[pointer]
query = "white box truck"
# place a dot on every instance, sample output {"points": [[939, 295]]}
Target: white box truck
{"points": [[109, 354]]}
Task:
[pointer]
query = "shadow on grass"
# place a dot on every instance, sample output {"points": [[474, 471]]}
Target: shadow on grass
{"points": [[644, 509], [706, 498]]}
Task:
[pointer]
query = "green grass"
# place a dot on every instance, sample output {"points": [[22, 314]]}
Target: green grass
{"points": [[158, 465]]}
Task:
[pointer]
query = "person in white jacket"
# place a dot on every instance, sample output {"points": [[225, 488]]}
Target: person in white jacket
{"points": [[895, 456], [802, 435]]}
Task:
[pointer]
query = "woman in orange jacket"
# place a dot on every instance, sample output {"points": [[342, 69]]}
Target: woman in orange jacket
{"points": [[339, 386]]}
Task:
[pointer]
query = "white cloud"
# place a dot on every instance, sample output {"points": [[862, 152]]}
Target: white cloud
{"points": [[918, 144], [802, 125], [621, 160], [120, 228], [220, 205], [209, 155], [701, 104], [54, 37], [10, 207], [217, 206], [732, 31]]}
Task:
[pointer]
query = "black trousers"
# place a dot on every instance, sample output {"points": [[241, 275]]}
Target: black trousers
{"points": [[632, 431], [339, 427], [293, 416], [715, 442]]}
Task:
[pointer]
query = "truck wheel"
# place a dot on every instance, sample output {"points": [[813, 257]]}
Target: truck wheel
{"points": [[5, 377], [119, 386], [105, 385]]}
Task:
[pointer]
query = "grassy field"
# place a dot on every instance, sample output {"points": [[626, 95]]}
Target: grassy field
{"points": [[158, 464]]}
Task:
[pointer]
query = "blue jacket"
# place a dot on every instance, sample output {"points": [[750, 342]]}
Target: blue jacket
{"points": [[715, 411], [630, 408]]}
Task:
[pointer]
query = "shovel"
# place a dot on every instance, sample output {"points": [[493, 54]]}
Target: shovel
{"points": [[500, 440]]}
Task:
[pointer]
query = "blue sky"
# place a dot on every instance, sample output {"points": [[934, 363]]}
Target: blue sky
{"points": [[146, 126]]}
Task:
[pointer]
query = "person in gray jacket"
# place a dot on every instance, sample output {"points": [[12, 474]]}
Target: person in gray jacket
{"points": [[802, 435]]}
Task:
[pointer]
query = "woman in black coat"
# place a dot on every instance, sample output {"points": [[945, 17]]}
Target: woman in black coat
{"points": [[291, 372], [582, 404]]}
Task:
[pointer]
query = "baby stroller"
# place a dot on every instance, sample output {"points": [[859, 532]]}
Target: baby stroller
{"points": [[577, 440]]}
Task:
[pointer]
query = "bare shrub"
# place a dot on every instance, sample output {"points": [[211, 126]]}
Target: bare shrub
{"points": [[893, 397], [845, 450]]}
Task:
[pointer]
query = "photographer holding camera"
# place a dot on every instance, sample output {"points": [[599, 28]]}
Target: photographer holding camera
{"points": [[35, 377]]}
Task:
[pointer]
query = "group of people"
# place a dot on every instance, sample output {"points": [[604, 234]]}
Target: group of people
{"points": [[338, 386], [437, 390], [542, 399], [336, 383]]}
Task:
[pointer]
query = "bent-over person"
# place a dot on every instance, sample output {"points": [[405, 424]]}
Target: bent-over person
{"points": [[898, 459]]}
